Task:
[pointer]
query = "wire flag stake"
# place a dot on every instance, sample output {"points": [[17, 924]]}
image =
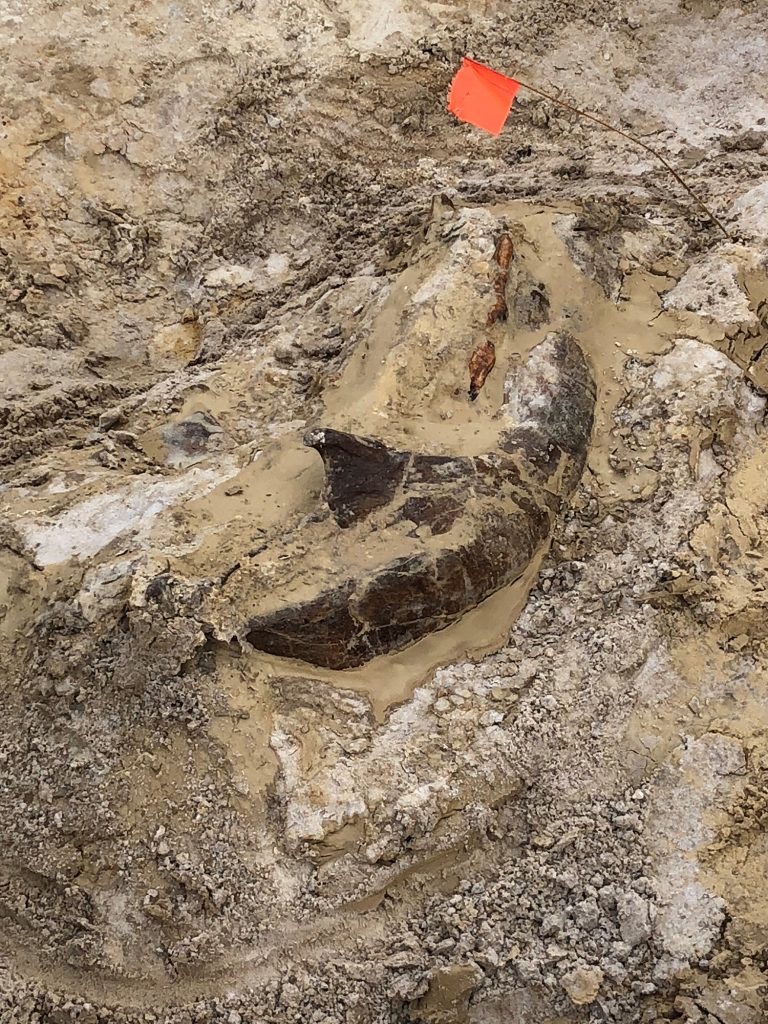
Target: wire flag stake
{"points": [[483, 97]]}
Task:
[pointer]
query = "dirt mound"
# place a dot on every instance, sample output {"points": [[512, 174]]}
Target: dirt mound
{"points": [[223, 227]]}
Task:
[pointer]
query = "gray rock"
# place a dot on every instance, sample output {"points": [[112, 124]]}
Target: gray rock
{"points": [[606, 897], [111, 418], [587, 914], [634, 918], [553, 924]]}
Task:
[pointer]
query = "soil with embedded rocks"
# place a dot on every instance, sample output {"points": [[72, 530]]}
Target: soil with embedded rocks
{"points": [[220, 226]]}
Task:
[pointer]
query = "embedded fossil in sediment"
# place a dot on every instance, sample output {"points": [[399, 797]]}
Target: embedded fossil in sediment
{"points": [[483, 358], [481, 362], [466, 526], [503, 257]]}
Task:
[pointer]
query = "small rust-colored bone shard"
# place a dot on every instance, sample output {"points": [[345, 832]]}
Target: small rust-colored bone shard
{"points": [[503, 257], [483, 359], [481, 362], [480, 522]]}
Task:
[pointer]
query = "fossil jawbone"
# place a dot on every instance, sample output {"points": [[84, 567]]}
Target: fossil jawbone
{"points": [[464, 527]]}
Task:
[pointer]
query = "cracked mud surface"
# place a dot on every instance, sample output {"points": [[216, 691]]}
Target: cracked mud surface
{"points": [[225, 225]]}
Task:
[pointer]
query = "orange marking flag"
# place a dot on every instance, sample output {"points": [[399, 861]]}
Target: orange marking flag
{"points": [[481, 96]]}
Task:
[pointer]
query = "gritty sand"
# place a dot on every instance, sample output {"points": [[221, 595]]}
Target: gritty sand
{"points": [[223, 224]]}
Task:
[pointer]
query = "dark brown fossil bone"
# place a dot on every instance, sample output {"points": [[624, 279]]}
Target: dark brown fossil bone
{"points": [[477, 522], [360, 474]]}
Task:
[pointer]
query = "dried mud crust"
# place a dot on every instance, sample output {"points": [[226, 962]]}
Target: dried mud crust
{"points": [[205, 248]]}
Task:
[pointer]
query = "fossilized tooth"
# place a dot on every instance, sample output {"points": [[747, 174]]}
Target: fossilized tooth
{"points": [[466, 526]]}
